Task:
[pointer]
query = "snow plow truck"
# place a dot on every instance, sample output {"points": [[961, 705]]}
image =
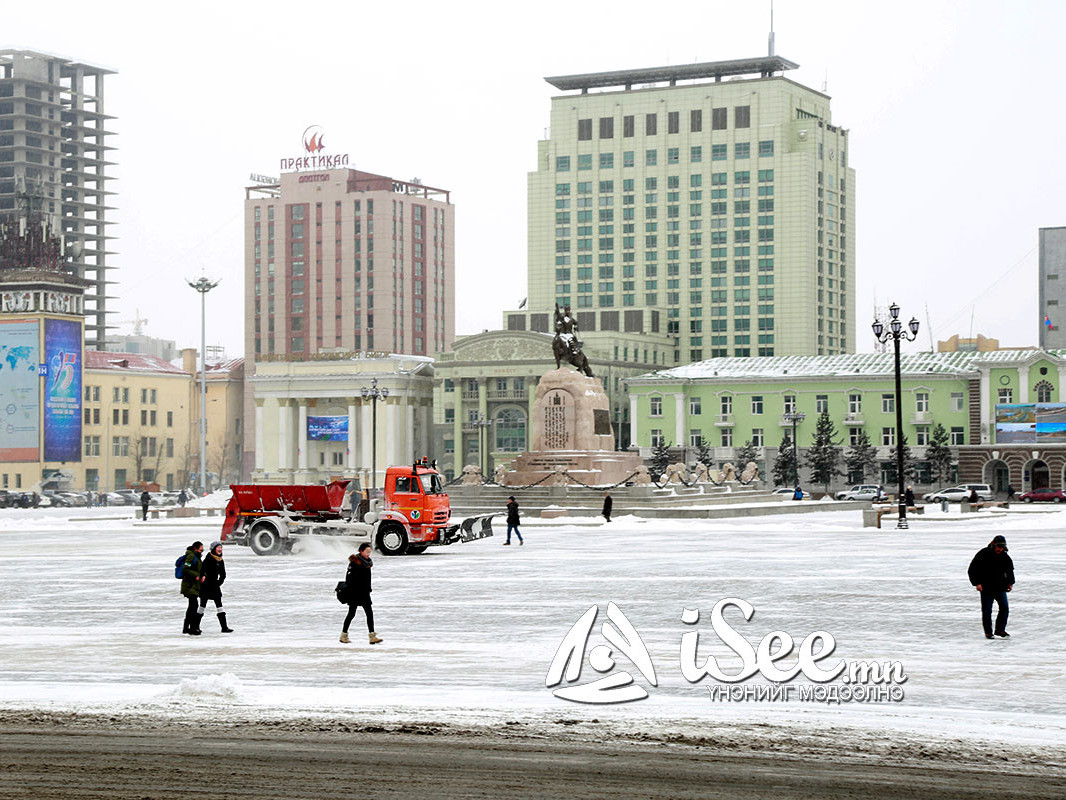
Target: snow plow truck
{"points": [[413, 514]]}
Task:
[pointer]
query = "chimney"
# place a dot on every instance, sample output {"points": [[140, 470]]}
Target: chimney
{"points": [[188, 359]]}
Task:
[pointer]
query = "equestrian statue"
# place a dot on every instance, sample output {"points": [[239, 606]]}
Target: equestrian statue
{"points": [[565, 345]]}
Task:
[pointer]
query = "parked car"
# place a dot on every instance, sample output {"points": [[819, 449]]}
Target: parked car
{"points": [[133, 497], [75, 499], [117, 499], [57, 499], [956, 494], [865, 491], [1044, 495], [790, 492]]}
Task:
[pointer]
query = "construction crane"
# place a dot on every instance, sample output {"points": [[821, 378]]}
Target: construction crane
{"points": [[138, 322]]}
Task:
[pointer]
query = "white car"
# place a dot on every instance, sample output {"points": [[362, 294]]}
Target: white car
{"points": [[790, 492], [956, 494], [865, 491]]}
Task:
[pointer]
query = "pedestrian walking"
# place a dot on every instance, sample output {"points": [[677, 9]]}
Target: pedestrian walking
{"points": [[145, 500], [513, 521], [357, 580], [1011, 491], [908, 496], [608, 504], [214, 575], [992, 574], [182, 498], [191, 580]]}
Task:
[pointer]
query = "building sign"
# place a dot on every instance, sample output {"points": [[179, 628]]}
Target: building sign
{"points": [[327, 429], [20, 391], [255, 177], [313, 144], [1031, 423], [62, 396], [347, 355]]}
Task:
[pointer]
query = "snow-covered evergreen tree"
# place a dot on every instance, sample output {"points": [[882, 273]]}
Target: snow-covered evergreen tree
{"points": [[861, 457], [782, 470], [824, 454], [938, 454]]}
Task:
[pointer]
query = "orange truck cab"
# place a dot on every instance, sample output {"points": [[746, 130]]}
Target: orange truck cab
{"points": [[415, 496]]}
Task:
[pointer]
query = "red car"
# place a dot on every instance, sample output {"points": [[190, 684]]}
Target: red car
{"points": [[1044, 496]]}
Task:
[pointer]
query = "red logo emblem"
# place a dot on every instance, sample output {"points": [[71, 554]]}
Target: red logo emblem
{"points": [[312, 139]]}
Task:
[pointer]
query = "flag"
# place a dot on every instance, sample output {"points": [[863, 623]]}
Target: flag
{"points": [[1047, 321]]}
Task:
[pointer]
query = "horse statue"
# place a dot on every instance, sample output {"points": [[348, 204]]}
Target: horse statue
{"points": [[565, 345]]}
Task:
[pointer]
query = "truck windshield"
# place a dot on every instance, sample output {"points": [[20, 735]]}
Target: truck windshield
{"points": [[432, 484]]}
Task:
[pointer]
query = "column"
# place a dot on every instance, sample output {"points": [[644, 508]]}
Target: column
{"points": [[366, 431], [388, 434], [988, 407], [412, 453], [351, 435], [283, 434], [679, 420], [301, 436], [1023, 384], [632, 418], [258, 435]]}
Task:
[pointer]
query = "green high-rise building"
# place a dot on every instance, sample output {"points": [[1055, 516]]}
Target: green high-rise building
{"points": [[717, 194]]}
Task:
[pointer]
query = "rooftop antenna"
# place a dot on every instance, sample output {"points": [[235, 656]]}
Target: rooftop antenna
{"points": [[825, 82], [929, 329], [770, 43]]}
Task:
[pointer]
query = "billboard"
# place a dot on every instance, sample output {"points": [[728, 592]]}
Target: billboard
{"points": [[328, 429], [20, 391], [62, 390], [1031, 423]]}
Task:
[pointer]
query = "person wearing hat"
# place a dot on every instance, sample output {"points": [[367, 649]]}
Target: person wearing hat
{"points": [[992, 574], [214, 575], [512, 520]]}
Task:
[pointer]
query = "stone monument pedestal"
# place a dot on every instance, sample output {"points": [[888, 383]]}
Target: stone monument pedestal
{"points": [[571, 430]]}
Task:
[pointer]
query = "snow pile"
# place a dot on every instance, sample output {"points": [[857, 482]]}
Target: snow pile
{"points": [[217, 499], [224, 688]]}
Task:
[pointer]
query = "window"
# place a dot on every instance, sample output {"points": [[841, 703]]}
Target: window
{"points": [[921, 402], [657, 437], [606, 127], [562, 164], [854, 403], [694, 406], [742, 117], [756, 404], [790, 404], [1006, 396], [821, 403], [956, 401], [510, 430], [727, 404], [695, 120], [921, 435], [651, 124], [766, 148], [584, 130], [673, 122], [656, 406], [727, 437], [719, 118], [695, 437], [742, 150], [1043, 392], [958, 436], [628, 127], [757, 437], [651, 158], [888, 437], [888, 404]]}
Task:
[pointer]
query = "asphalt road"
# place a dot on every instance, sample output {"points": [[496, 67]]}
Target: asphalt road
{"points": [[114, 759]]}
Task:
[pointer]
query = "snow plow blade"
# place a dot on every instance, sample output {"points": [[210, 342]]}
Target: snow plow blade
{"points": [[470, 529]]}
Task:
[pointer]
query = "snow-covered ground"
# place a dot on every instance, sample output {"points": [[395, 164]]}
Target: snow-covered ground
{"points": [[92, 616]]}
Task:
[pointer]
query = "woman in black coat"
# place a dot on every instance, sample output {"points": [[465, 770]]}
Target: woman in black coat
{"points": [[357, 580], [214, 575]]}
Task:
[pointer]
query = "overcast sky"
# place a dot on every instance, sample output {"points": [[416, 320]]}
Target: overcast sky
{"points": [[955, 111]]}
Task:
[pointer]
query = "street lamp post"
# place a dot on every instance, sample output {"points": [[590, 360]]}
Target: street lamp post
{"points": [[795, 417], [895, 332], [203, 286], [374, 393]]}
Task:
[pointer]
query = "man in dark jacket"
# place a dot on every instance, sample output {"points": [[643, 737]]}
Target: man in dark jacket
{"points": [[145, 500], [908, 496], [191, 580], [358, 582], [608, 503], [992, 573], [214, 575], [512, 520]]}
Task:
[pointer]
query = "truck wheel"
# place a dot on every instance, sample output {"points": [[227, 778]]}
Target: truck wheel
{"points": [[416, 549], [264, 540], [392, 540]]}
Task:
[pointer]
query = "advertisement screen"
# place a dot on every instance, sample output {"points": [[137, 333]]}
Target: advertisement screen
{"points": [[20, 391], [1030, 423], [327, 429], [62, 390]]}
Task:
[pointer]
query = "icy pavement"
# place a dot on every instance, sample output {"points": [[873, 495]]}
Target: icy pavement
{"points": [[92, 617]]}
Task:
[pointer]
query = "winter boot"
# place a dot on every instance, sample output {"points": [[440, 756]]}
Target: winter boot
{"points": [[222, 621], [185, 626], [195, 622], [375, 639], [344, 638]]}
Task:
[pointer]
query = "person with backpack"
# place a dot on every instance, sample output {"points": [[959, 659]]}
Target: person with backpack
{"points": [[145, 500], [191, 566], [357, 580], [213, 576]]}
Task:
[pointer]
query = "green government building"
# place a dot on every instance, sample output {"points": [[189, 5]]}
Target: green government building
{"points": [[1001, 409]]}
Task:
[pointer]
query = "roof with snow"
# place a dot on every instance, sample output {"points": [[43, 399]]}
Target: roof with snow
{"points": [[850, 364], [225, 366], [129, 362]]}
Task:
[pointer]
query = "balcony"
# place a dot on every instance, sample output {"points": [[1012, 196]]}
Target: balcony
{"points": [[922, 418], [724, 453], [507, 394], [470, 395], [724, 420], [854, 418]]}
